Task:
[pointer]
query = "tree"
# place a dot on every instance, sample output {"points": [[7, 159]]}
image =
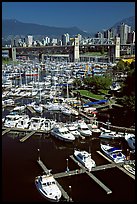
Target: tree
{"points": [[77, 83], [98, 82]]}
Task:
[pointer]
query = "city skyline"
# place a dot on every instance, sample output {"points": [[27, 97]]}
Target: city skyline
{"points": [[88, 16]]}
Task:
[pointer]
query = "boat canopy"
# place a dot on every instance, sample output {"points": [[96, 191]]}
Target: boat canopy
{"points": [[114, 149], [96, 102]]}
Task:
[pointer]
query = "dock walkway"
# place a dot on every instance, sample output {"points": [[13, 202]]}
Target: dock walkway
{"points": [[119, 165], [27, 136], [108, 191], [6, 131]]}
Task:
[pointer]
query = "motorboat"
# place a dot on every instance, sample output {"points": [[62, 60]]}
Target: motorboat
{"points": [[47, 124], [35, 123], [48, 187], [130, 138], [61, 132], [11, 120], [66, 111], [85, 159], [72, 127], [130, 168], [23, 122], [109, 134], [114, 153], [83, 129]]}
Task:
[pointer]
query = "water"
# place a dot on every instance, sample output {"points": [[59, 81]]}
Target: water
{"points": [[19, 169]]}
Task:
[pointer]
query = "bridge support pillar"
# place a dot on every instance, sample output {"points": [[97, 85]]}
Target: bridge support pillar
{"points": [[76, 49], [117, 47], [13, 53]]}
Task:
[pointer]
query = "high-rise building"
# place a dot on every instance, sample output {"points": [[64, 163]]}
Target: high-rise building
{"points": [[124, 30], [131, 38], [65, 39], [30, 40]]}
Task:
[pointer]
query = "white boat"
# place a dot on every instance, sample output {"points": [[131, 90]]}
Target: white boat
{"points": [[114, 153], [130, 168], [109, 135], [11, 120], [130, 138], [85, 159], [61, 132], [47, 124], [35, 123], [65, 111], [47, 186], [83, 129], [72, 127], [23, 122]]}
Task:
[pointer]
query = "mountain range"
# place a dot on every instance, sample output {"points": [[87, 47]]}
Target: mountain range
{"points": [[15, 27]]}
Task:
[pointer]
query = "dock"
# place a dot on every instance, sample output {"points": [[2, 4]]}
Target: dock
{"points": [[64, 193], [6, 131], [119, 165], [31, 109], [27, 131], [108, 191], [27, 136]]}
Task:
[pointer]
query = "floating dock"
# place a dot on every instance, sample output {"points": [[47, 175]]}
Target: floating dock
{"points": [[27, 136], [108, 191], [28, 131], [118, 165], [6, 131]]}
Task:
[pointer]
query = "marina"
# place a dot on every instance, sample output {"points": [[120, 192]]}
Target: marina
{"points": [[56, 111]]}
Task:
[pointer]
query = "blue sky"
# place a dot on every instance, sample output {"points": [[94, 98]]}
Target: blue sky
{"points": [[88, 16]]}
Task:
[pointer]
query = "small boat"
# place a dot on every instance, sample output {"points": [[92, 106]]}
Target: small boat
{"points": [[130, 168], [85, 159], [61, 132], [130, 138], [72, 127], [47, 186], [83, 129], [114, 153]]}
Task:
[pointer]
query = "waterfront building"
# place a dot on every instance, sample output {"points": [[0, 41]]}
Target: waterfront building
{"points": [[131, 38], [65, 39], [124, 30], [29, 40]]}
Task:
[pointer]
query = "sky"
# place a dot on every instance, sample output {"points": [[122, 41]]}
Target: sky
{"points": [[88, 16]]}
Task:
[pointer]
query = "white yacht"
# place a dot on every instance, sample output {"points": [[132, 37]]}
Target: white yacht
{"points": [[85, 159], [114, 153], [72, 127], [61, 132], [35, 123], [130, 138], [130, 168], [23, 122], [83, 129], [47, 186], [11, 120], [47, 124]]}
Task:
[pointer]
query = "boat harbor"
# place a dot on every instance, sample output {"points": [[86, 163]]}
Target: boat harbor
{"points": [[43, 106], [84, 170]]}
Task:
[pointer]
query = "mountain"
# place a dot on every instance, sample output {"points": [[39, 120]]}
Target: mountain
{"points": [[129, 21], [14, 27]]}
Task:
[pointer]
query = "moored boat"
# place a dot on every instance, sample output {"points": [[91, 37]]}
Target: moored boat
{"points": [[114, 153], [47, 186], [85, 159]]}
